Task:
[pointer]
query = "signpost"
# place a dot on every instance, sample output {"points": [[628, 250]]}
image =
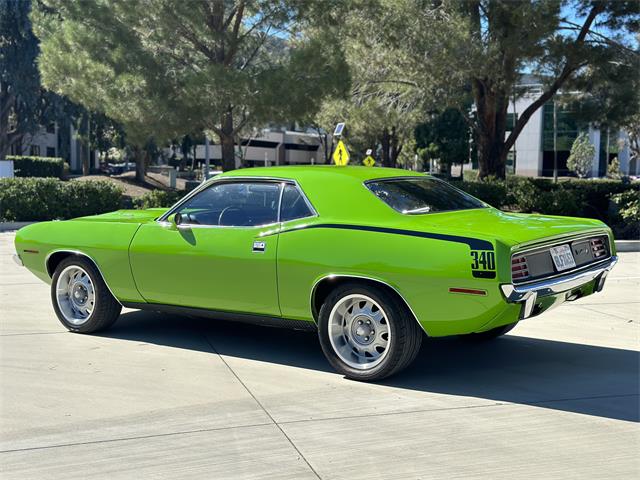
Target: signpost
{"points": [[341, 154], [369, 161]]}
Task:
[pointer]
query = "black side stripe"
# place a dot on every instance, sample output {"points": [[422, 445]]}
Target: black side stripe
{"points": [[473, 243]]}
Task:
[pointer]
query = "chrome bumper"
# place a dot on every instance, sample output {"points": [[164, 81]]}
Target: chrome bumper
{"points": [[529, 293], [17, 259]]}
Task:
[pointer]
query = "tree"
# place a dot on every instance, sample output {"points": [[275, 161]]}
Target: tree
{"points": [[581, 156], [446, 138], [21, 99], [632, 128], [376, 118], [164, 69], [455, 51], [370, 125]]}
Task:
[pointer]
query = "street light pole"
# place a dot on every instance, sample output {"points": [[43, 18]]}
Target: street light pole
{"points": [[555, 143], [207, 159], [515, 120]]}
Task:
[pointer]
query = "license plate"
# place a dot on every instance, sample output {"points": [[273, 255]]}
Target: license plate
{"points": [[562, 257]]}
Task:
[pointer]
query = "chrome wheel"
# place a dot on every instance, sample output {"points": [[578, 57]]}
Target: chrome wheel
{"points": [[75, 295], [359, 331]]}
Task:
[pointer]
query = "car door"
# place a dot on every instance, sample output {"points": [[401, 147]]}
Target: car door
{"points": [[222, 256]]}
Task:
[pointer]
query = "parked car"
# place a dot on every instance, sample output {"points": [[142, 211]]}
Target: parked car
{"points": [[371, 258]]}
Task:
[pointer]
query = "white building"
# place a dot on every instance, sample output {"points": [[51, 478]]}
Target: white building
{"points": [[533, 153], [43, 143], [272, 147], [46, 143]]}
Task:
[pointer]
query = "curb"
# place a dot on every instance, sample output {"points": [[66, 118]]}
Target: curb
{"points": [[628, 245], [10, 226]]}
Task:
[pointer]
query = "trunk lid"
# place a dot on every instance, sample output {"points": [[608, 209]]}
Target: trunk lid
{"points": [[509, 228]]}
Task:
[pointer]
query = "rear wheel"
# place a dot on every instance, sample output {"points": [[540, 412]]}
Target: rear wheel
{"points": [[490, 334], [81, 299], [367, 333]]}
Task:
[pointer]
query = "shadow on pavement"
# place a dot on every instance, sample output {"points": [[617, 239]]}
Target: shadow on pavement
{"points": [[578, 378]]}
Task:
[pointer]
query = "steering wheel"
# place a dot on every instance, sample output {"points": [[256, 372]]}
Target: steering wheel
{"points": [[227, 211]]}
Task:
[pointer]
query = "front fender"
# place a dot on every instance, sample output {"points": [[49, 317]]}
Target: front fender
{"points": [[106, 243]]}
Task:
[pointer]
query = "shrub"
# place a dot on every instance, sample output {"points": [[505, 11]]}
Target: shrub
{"points": [[581, 156], [38, 166], [626, 214], [492, 191], [27, 199], [613, 169], [470, 175], [573, 198], [159, 198]]}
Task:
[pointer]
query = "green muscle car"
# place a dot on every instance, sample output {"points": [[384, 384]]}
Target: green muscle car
{"points": [[371, 258]]}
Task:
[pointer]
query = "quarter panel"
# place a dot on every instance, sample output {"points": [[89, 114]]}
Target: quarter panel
{"points": [[422, 270]]}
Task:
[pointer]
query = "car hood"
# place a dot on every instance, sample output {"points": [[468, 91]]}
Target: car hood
{"points": [[510, 228], [126, 216]]}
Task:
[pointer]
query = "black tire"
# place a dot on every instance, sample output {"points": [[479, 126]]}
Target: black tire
{"points": [[403, 345], [106, 308], [489, 334]]}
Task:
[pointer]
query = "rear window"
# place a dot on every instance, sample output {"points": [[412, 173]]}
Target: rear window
{"points": [[422, 195]]}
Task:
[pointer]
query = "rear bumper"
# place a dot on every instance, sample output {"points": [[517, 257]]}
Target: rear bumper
{"points": [[529, 294]]}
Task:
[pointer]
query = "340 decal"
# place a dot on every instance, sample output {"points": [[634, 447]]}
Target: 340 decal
{"points": [[483, 264]]}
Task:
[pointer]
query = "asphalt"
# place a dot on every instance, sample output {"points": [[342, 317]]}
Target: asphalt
{"points": [[161, 396]]}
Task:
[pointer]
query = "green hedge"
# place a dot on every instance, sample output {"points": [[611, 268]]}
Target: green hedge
{"points": [[159, 198], [27, 199], [591, 198], [626, 214], [38, 166]]}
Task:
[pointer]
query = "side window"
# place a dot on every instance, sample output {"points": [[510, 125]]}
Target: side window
{"points": [[238, 204], [293, 204]]}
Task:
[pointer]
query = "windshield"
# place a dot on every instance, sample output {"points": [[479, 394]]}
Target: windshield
{"points": [[422, 195]]}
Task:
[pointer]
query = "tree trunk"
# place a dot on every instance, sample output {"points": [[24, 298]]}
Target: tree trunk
{"points": [[444, 168], [86, 164], [227, 143], [6, 102], [491, 109], [395, 149], [7, 140], [492, 157], [385, 142], [140, 157]]}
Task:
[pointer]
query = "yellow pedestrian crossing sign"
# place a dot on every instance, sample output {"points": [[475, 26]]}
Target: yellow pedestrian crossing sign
{"points": [[368, 161], [341, 154]]}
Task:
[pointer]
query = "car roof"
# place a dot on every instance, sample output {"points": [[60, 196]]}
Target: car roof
{"points": [[322, 172], [336, 193]]}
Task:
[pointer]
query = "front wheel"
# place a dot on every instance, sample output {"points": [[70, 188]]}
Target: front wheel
{"points": [[367, 333], [81, 299]]}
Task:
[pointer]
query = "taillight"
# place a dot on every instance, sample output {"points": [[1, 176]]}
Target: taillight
{"points": [[598, 248], [519, 268]]}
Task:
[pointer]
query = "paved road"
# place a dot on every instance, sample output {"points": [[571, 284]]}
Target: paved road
{"points": [[172, 397]]}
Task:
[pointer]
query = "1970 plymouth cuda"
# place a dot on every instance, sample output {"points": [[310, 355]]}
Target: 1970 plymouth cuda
{"points": [[372, 258]]}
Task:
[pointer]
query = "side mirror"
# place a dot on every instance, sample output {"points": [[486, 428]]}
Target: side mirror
{"points": [[177, 218]]}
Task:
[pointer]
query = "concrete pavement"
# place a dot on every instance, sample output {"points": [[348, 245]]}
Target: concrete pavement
{"points": [[170, 397]]}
